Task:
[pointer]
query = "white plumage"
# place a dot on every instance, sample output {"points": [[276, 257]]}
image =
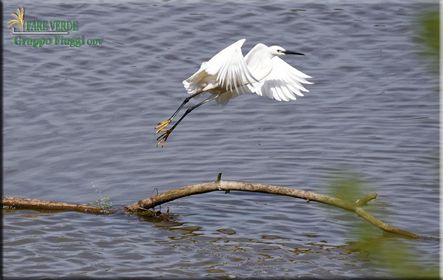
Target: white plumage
{"points": [[229, 74], [261, 71]]}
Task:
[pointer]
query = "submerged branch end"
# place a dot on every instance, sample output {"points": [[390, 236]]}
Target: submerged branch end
{"points": [[38, 204]]}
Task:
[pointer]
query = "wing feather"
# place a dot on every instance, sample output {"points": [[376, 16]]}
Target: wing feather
{"points": [[283, 83], [227, 70], [230, 68]]}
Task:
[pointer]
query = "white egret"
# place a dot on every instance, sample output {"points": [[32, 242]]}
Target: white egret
{"points": [[228, 74]]}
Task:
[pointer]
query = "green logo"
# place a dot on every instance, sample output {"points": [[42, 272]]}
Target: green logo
{"points": [[40, 33]]}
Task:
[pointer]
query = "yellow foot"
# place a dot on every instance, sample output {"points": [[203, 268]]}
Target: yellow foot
{"points": [[161, 126], [161, 140]]}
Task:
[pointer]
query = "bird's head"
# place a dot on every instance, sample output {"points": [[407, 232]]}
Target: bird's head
{"points": [[279, 51]]}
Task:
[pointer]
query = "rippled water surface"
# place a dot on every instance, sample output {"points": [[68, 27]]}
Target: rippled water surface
{"points": [[78, 125]]}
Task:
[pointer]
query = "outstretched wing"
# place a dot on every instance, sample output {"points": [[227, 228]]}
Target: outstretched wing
{"points": [[227, 69], [230, 68], [283, 83]]}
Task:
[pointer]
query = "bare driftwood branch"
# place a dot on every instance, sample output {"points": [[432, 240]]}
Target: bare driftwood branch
{"points": [[144, 206], [37, 204], [227, 186]]}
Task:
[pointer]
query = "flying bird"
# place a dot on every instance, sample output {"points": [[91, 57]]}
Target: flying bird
{"points": [[229, 74]]}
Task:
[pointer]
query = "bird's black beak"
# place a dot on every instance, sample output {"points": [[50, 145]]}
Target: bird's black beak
{"points": [[290, 52]]}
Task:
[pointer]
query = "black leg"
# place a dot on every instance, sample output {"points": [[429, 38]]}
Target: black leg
{"points": [[162, 138], [163, 124], [184, 103]]}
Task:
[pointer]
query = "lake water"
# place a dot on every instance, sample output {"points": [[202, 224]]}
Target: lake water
{"points": [[79, 125]]}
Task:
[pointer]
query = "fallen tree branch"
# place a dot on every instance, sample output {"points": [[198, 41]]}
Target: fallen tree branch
{"points": [[37, 204], [144, 206], [227, 186]]}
